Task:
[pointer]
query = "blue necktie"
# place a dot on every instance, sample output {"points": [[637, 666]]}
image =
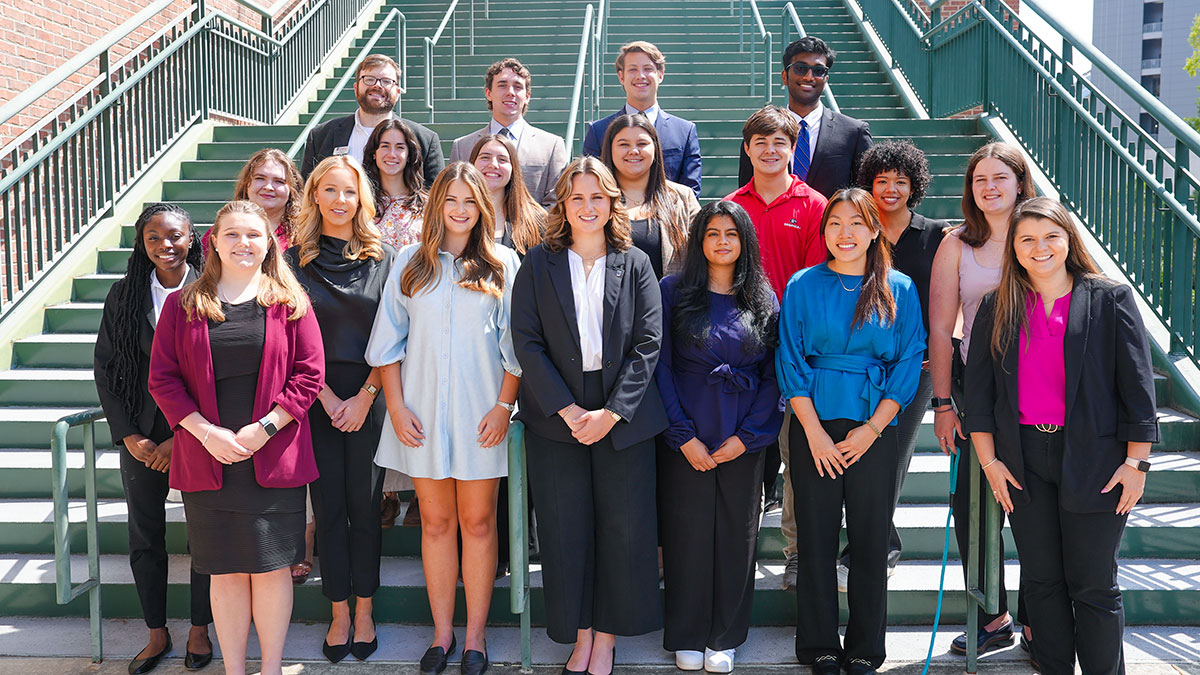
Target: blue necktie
{"points": [[801, 160]]}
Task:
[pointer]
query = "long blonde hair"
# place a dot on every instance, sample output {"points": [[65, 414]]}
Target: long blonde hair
{"points": [[616, 230], [365, 238], [278, 286], [482, 270], [1012, 312]]}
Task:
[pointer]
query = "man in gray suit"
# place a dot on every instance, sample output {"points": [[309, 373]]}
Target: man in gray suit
{"points": [[542, 155]]}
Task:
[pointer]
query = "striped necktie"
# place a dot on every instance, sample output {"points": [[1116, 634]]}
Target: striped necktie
{"points": [[801, 159], [506, 133]]}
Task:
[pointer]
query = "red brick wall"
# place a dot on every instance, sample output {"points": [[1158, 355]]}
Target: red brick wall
{"points": [[37, 37]]}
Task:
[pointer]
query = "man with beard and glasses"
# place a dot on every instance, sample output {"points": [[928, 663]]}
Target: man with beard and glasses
{"points": [[830, 144], [377, 88]]}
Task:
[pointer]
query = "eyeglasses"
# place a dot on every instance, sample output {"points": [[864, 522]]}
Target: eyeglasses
{"points": [[371, 81], [801, 69]]}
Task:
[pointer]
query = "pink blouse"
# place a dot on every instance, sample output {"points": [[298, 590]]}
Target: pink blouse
{"points": [[1041, 373]]}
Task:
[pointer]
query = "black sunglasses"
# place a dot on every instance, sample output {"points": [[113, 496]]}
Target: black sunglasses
{"points": [[800, 69]]}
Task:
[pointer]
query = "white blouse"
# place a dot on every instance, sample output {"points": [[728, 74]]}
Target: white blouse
{"points": [[588, 292], [159, 293]]}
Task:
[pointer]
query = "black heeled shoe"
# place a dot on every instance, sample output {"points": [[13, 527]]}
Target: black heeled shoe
{"points": [[474, 662], [140, 666], [434, 660], [335, 653]]}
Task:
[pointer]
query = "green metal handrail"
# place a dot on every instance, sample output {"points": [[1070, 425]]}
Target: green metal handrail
{"points": [[65, 591], [518, 539], [580, 62], [72, 179], [789, 12], [451, 18], [402, 45], [1138, 197], [765, 36], [982, 592]]}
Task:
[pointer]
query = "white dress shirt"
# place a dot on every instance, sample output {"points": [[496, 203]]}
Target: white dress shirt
{"points": [[651, 113], [159, 293], [814, 126], [588, 292], [358, 138], [517, 129]]}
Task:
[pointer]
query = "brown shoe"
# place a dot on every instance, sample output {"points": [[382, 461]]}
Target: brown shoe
{"points": [[389, 508], [412, 517]]}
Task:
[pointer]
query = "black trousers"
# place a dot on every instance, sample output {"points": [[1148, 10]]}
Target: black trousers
{"points": [[145, 498], [961, 503], [597, 528], [865, 489], [346, 496], [1068, 568], [709, 531], [908, 428]]}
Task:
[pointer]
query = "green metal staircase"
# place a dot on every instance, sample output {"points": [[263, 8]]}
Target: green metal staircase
{"points": [[708, 81]]}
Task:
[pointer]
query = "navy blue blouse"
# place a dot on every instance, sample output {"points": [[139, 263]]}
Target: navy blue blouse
{"points": [[720, 389], [847, 372]]}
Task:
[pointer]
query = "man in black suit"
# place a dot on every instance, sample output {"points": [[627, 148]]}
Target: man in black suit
{"points": [[377, 88], [829, 160]]}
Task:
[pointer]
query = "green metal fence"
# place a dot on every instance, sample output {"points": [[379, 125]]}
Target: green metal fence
{"points": [[1136, 195], [66, 176]]}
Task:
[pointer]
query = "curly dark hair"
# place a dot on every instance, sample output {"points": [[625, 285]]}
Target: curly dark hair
{"points": [[752, 290], [900, 156], [121, 371]]}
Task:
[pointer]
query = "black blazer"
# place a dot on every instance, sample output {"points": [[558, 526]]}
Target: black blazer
{"points": [[327, 136], [1110, 392], [119, 419], [546, 339], [841, 142]]}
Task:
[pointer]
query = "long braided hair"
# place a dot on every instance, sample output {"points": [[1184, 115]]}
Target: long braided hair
{"points": [[121, 371]]}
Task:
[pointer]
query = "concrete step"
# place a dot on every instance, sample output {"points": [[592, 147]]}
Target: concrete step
{"points": [[1154, 591]]}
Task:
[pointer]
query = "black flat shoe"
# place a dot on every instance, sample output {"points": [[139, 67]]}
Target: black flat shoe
{"points": [[139, 666], [827, 665], [335, 653], [474, 662], [193, 661], [434, 660], [859, 667]]}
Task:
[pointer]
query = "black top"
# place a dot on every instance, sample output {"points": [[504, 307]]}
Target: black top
{"points": [[238, 340], [546, 340], [647, 237], [1110, 392], [913, 255], [344, 295]]}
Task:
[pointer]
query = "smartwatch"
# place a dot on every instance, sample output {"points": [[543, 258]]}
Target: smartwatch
{"points": [[269, 427], [939, 402], [1139, 464]]}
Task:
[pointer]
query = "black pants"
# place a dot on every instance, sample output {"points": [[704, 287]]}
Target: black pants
{"points": [[961, 503], [346, 497], [865, 489], [1068, 568], [145, 498], [908, 428], [597, 528], [709, 531]]}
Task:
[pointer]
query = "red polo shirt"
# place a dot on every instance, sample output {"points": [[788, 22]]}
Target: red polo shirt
{"points": [[789, 229]]}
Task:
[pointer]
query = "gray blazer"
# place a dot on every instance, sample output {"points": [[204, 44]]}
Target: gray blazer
{"points": [[542, 155]]}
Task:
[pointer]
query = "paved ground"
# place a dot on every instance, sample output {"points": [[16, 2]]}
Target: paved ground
{"points": [[31, 646]]}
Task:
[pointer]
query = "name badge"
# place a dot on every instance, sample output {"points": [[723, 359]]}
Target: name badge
{"points": [[341, 150]]}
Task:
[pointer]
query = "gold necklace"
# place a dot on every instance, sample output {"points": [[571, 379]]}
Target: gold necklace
{"points": [[848, 290]]}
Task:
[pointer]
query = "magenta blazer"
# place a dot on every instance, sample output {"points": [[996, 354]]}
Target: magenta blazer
{"points": [[291, 375]]}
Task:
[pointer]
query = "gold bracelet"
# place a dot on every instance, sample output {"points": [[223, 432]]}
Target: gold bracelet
{"points": [[994, 460], [878, 434]]}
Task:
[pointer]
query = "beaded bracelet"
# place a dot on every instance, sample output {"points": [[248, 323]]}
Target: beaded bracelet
{"points": [[878, 434]]}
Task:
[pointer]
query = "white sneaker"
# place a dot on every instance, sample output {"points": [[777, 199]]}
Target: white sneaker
{"points": [[687, 659], [718, 661], [843, 577]]}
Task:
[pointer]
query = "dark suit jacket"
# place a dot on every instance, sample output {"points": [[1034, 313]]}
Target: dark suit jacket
{"points": [[335, 133], [680, 146], [841, 141], [290, 375], [122, 422], [1110, 392], [546, 339]]}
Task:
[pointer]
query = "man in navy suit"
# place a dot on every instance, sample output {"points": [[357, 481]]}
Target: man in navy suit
{"points": [[640, 69], [831, 144]]}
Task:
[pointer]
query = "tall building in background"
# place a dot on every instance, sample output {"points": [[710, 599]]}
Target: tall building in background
{"points": [[1148, 39]]}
